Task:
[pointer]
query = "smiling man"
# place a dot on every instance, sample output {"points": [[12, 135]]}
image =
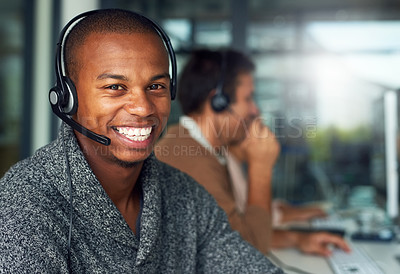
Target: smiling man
{"points": [[96, 200]]}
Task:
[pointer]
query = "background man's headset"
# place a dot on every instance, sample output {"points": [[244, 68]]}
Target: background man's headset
{"points": [[220, 100], [63, 97]]}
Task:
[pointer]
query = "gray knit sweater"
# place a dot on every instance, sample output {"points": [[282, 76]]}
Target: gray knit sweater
{"points": [[182, 230]]}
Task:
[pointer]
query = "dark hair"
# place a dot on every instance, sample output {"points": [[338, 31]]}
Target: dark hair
{"points": [[203, 72], [103, 21]]}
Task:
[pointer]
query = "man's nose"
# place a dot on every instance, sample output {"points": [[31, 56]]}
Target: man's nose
{"points": [[139, 104], [254, 110]]}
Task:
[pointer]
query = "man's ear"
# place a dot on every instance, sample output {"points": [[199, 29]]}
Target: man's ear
{"points": [[211, 94]]}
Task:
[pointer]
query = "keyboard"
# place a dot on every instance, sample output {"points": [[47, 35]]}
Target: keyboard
{"points": [[355, 262], [333, 222], [329, 222]]}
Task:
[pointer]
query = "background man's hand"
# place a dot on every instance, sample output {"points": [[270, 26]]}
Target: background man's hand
{"points": [[260, 144]]}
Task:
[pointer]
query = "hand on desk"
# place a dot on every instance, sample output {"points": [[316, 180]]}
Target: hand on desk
{"points": [[319, 243], [316, 243]]}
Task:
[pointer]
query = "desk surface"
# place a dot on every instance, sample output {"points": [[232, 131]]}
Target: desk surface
{"points": [[383, 253]]}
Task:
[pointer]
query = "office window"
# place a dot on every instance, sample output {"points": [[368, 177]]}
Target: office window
{"points": [[11, 81], [179, 31], [278, 35], [212, 34]]}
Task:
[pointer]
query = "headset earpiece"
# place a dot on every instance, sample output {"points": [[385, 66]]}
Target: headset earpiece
{"points": [[220, 100], [65, 98], [55, 95], [70, 100]]}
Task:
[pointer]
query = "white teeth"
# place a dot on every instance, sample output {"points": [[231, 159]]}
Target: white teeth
{"points": [[135, 134], [137, 138]]}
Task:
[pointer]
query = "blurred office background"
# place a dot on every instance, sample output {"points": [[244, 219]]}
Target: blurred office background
{"points": [[323, 68]]}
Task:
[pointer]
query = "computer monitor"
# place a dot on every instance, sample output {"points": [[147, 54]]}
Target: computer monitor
{"points": [[384, 171]]}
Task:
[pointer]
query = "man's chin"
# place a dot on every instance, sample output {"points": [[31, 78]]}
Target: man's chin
{"points": [[235, 142], [131, 160], [238, 139], [126, 164]]}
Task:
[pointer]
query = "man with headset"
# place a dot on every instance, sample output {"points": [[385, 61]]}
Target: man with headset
{"points": [[96, 200], [216, 95]]}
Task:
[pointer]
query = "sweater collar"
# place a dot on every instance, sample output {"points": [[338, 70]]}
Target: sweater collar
{"points": [[92, 202]]}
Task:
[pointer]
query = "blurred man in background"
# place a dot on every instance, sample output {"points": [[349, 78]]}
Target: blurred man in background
{"points": [[216, 90]]}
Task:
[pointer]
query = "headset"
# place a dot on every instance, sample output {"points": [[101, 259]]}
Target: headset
{"points": [[63, 96], [220, 100]]}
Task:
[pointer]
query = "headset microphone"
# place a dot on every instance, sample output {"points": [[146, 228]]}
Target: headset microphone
{"points": [[63, 96], [54, 98]]}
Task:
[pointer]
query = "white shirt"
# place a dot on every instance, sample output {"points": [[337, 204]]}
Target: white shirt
{"points": [[196, 134]]}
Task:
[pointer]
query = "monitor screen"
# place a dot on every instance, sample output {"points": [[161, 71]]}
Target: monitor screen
{"points": [[384, 173]]}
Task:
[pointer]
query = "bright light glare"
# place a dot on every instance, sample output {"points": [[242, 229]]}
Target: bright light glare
{"points": [[365, 59], [342, 100], [345, 36]]}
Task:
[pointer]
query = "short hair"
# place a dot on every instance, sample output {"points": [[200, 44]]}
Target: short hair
{"points": [[102, 21], [203, 72]]}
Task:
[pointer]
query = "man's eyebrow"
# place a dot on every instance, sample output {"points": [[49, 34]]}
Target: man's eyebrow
{"points": [[112, 76], [122, 77], [160, 76]]}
